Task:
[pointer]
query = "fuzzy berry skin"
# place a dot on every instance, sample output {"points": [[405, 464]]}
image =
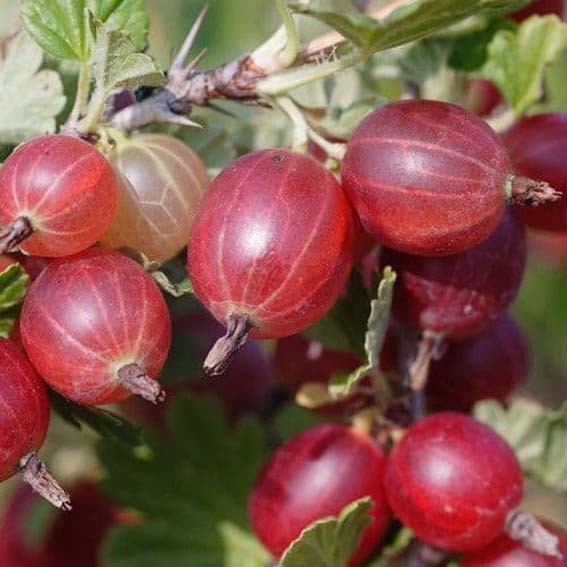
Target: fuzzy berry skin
{"points": [[162, 183], [315, 475], [24, 409], [87, 316], [490, 365], [459, 296], [298, 361], [273, 241], [453, 481], [64, 187], [506, 552], [540, 7], [426, 177], [537, 146]]}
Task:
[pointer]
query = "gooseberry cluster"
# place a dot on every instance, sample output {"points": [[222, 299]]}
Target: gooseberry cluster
{"points": [[270, 247]]}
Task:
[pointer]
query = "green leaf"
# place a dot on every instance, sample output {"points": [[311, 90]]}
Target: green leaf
{"points": [[61, 27], [6, 326], [191, 488], [538, 436], [30, 99], [13, 286], [517, 60], [293, 419], [342, 385], [470, 52], [117, 65], [330, 542], [408, 23], [397, 547], [107, 424]]}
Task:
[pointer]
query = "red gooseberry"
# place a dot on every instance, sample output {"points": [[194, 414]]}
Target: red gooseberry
{"points": [[506, 552], [96, 327], [315, 475], [58, 195], [490, 365], [431, 178], [541, 7], [453, 481], [271, 248], [24, 419], [537, 146], [459, 296], [162, 182]]}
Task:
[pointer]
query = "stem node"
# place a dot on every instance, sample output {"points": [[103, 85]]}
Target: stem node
{"points": [[15, 233], [134, 378], [523, 527]]}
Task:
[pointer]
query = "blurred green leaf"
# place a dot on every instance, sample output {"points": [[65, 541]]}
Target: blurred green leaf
{"points": [[470, 52], [537, 435], [517, 60], [30, 99], [342, 385], [61, 27], [6, 326], [107, 424], [13, 286], [408, 23], [192, 490], [293, 419], [330, 542], [400, 543]]}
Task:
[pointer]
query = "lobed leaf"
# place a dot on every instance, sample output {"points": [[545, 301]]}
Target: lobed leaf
{"points": [[330, 542], [537, 435], [410, 22], [517, 59], [192, 490], [13, 286], [61, 27], [342, 385], [30, 99]]}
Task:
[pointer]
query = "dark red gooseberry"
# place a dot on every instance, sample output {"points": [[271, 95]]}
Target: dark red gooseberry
{"points": [[431, 178], [316, 475], [271, 246], [453, 481], [75, 539], [538, 146], [24, 419], [58, 195], [490, 365], [459, 296], [505, 552], [483, 97], [298, 361], [96, 327], [541, 7]]}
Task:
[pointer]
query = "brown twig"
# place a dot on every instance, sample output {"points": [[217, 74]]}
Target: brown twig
{"points": [[236, 80]]}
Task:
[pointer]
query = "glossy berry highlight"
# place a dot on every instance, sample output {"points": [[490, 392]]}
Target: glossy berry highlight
{"points": [[316, 475], [430, 178], [461, 295], [453, 481], [489, 366], [271, 247], [24, 419], [58, 195], [537, 146], [97, 328], [162, 182]]}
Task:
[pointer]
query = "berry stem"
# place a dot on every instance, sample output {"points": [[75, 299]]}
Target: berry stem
{"points": [[35, 474], [523, 527], [219, 357], [134, 378], [418, 554], [529, 192], [15, 233]]}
